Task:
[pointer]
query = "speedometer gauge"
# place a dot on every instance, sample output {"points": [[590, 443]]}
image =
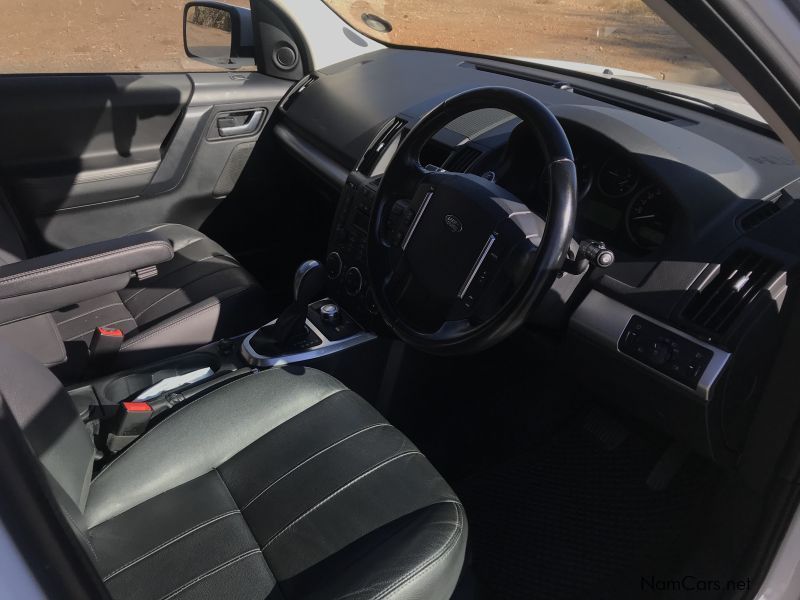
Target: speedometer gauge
{"points": [[617, 178], [649, 218]]}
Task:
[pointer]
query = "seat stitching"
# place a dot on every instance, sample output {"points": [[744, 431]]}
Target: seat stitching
{"points": [[80, 335], [159, 424], [176, 290], [169, 542], [310, 458], [194, 241], [338, 491], [54, 328], [88, 312], [165, 274], [78, 261], [177, 412], [158, 330], [214, 571], [446, 549], [81, 532]]}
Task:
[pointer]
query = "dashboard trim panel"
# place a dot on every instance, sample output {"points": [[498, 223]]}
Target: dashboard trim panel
{"points": [[310, 155], [604, 320]]}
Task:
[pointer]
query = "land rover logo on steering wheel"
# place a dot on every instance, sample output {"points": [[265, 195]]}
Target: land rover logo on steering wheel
{"points": [[453, 223]]}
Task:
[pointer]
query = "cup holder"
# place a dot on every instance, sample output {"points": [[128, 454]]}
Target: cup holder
{"points": [[131, 384]]}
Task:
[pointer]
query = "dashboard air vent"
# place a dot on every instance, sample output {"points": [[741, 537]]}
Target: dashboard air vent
{"points": [[761, 213], [765, 209], [462, 159], [296, 90], [739, 280], [373, 154]]}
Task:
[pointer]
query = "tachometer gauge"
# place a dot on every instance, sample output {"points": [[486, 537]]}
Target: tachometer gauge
{"points": [[649, 218], [617, 178]]}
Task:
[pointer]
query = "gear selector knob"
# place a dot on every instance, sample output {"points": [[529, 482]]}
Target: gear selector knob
{"points": [[309, 282]]}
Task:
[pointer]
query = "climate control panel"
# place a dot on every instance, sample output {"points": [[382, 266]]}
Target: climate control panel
{"points": [[346, 262]]}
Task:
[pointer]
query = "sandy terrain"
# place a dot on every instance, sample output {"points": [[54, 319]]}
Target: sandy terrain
{"points": [[146, 35], [94, 36], [613, 33]]}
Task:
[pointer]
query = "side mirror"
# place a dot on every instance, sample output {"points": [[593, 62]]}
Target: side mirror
{"points": [[218, 34]]}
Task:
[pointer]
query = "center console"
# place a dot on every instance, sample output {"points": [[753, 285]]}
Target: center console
{"points": [[313, 331], [328, 329], [346, 263], [328, 326]]}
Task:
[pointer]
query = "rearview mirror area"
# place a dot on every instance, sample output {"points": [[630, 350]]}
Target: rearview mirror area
{"points": [[218, 34]]}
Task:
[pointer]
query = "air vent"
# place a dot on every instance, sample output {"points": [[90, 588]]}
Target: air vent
{"points": [[766, 209], [739, 280], [754, 218], [373, 154], [296, 90], [462, 159]]}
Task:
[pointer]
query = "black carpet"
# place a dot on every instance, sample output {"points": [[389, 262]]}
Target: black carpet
{"points": [[575, 519]]}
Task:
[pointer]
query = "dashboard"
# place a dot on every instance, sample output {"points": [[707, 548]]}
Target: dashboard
{"points": [[701, 212], [619, 203]]}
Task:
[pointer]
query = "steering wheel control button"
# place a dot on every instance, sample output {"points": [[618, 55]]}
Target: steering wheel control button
{"points": [[398, 222], [329, 312], [333, 265], [353, 281], [453, 223], [665, 351]]}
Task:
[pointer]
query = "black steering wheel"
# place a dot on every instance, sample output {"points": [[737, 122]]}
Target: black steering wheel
{"points": [[456, 261]]}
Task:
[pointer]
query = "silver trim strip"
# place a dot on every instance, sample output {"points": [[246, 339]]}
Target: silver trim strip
{"points": [[477, 266], [604, 320], [415, 222], [327, 347]]}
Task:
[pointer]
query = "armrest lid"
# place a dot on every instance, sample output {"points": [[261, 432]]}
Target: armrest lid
{"points": [[83, 264]]}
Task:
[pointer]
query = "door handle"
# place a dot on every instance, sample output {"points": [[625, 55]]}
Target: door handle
{"points": [[242, 122]]}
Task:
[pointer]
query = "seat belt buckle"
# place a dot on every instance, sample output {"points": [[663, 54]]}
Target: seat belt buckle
{"points": [[131, 421], [106, 341]]}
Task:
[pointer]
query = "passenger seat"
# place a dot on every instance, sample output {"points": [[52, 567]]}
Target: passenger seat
{"points": [[201, 295]]}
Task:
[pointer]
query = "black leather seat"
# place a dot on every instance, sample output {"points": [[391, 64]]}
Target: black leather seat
{"points": [[201, 295], [281, 485]]}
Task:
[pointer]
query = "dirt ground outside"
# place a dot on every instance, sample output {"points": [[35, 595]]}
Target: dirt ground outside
{"points": [[624, 34], [95, 36], [102, 36]]}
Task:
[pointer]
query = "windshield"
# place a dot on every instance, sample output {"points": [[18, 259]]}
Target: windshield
{"points": [[614, 38]]}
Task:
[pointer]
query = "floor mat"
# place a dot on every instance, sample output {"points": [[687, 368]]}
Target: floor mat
{"points": [[576, 519]]}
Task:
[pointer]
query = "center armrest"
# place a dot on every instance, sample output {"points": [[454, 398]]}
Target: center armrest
{"points": [[52, 281]]}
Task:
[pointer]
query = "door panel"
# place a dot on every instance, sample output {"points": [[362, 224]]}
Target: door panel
{"points": [[88, 157]]}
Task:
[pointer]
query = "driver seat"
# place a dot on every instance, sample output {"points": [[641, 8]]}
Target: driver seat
{"points": [[280, 485]]}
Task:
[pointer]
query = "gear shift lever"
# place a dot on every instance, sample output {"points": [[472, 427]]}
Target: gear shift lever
{"points": [[309, 285], [309, 282]]}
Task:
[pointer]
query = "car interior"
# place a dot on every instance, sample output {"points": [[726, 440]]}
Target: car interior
{"points": [[416, 324]]}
